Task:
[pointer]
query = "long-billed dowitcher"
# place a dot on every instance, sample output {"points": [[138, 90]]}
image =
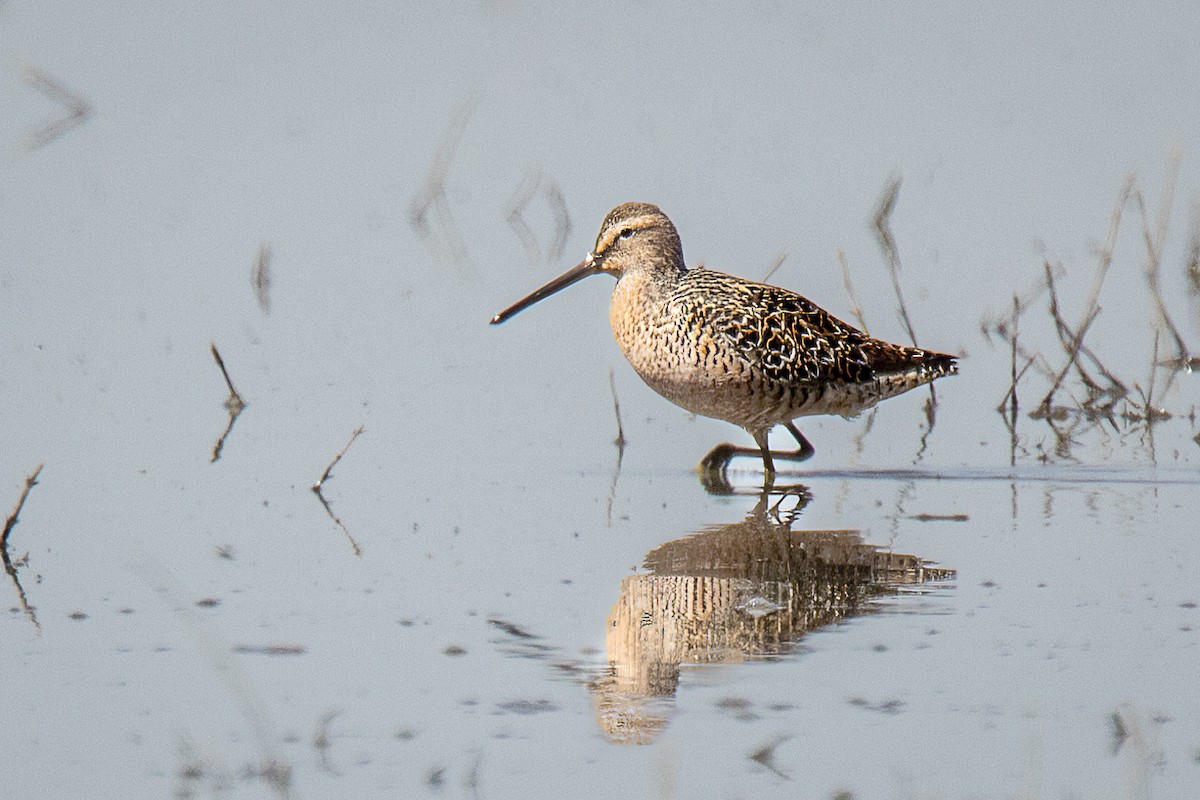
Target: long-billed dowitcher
{"points": [[721, 346]]}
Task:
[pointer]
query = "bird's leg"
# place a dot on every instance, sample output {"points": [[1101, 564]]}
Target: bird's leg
{"points": [[768, 463], [806, 449], [712, 466]]}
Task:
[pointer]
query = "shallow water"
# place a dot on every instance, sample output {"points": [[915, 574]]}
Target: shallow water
{"points": [[204, 628]]}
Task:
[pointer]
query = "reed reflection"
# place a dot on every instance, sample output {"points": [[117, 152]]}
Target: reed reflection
{"points": [[729, 593]]}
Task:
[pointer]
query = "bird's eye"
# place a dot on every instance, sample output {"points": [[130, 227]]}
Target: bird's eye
{"points": [[625, 234]]}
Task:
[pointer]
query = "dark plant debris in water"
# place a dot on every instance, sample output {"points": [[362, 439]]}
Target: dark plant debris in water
{"points": [[526, 707], [511, 629], [765, 756], [891, 706], [271, 649], [940, 517]]}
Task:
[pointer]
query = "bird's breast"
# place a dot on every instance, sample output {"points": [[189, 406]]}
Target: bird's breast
{"points": [[678, 356]]}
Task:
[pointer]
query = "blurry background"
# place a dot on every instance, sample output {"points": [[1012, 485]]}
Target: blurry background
{"points": [[394, 174]]}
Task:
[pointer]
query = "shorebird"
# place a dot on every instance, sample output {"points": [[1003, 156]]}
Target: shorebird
{"points": [[721, 346]]}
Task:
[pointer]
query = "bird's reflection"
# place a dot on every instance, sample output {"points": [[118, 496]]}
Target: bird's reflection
{"points": [[732, 592]]}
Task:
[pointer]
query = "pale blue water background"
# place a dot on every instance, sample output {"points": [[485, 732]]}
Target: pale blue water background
{"points": [[481, 487]]}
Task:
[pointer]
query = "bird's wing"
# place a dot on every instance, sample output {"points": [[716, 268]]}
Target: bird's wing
{"points": [[777, 331]]}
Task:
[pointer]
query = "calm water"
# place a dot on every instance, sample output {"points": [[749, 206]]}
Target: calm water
{"points": [[948, 609]]}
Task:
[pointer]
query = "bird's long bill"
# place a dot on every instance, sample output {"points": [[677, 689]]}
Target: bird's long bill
{"points": [[573, 275]]}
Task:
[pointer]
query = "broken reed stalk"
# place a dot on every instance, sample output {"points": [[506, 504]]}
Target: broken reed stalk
{"points": [[234, 404], [30, 482], [883, 232], [320, 484], [316, 487], [856, 307], [235, 400]]}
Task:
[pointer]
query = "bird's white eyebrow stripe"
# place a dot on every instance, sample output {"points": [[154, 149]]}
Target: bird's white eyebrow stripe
{"points": [[613, 231]]}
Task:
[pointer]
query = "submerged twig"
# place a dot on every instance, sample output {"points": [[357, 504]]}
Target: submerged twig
{"points": [[234, 404], [887, 241], [9, 567], [78, 109], [319, 486], [235, 400]]}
